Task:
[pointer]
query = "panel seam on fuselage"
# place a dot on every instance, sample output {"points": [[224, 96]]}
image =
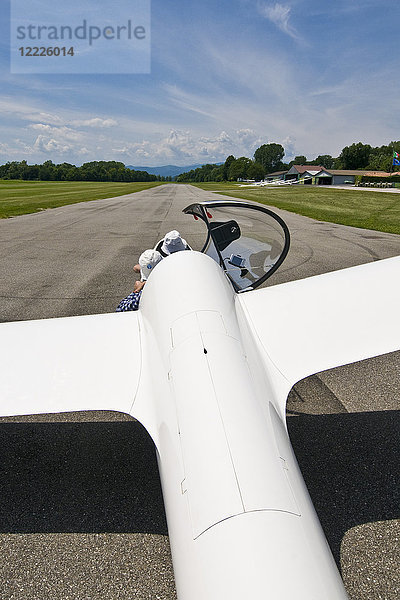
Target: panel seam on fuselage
{"points": [[247, 512], [222, 420]]}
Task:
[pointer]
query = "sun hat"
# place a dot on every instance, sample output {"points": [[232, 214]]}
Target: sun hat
{"points": [[173, 242], [147, 261]]}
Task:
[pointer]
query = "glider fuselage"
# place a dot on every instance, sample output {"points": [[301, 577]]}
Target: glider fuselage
{"points": [[239, 514]]}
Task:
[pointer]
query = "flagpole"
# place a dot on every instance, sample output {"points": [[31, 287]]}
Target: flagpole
{"points": [[394, 158]]}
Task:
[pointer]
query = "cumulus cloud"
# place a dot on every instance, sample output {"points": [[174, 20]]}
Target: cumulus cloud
{"points": [[50, 145], [289, 144], [183, 147], [249, 138], [60, 133], [72, 140]]}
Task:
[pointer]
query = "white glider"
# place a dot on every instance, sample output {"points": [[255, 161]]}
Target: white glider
{"points": [[207, 370]]}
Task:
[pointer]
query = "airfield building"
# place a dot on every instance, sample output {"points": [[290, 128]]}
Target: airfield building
{"points": [[317, 175]]}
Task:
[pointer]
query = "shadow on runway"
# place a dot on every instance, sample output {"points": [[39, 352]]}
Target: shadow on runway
{"points": [[91, 477], [103, 476], [350, 463]]}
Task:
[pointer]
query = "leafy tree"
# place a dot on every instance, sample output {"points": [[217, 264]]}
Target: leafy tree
{"points": [[226, 166], [337, 163], [381, 158], [217, 174], [270, 157], [239, 168], [355, 156], [13, 171], [325, 160], [93, 171], [299, 160], [47, 171], [256, 171], [380, 161], [203, 173], [72, 174]]}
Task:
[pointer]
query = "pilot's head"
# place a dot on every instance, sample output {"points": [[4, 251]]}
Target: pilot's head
{"points": [[147, 261], [173, 243]]}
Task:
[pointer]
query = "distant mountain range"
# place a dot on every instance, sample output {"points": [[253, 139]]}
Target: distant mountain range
{"points": [[166, 170]]}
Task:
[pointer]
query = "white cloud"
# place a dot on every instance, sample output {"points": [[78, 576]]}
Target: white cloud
{"points": [[279, 15], [26, 111], [50, 146], [238, 97], [290, 148], [60, 133], [20, 110], [185, 100], [96, 122], [15, 149], [249, 138], [184, 147]]}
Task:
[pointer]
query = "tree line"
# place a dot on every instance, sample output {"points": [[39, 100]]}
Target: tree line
{"points": [[90, 171], [268, 158]]}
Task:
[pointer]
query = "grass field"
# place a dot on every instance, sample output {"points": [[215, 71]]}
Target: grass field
{"points": [[22, 197], [358, 208]]}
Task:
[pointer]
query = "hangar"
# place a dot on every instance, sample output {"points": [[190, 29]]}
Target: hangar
{"points": [[318, 175]]}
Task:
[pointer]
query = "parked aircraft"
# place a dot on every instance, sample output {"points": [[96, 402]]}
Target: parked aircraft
{"points": [[206, 365], [277, 182]]}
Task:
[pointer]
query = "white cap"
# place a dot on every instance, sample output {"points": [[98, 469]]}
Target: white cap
{"points": [[147, 262], [173, 242]]}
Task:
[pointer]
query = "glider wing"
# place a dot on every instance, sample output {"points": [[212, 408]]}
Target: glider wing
{"points": [[70, 364], [314, 324]]}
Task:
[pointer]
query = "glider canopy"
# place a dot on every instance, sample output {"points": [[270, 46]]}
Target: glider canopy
{"points": [[249, 241]]}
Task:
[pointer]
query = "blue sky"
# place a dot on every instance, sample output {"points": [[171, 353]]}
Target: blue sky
{"points": [[226, 76]]}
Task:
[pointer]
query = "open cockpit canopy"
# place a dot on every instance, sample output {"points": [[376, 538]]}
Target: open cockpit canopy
{"points": [[249, 241]]}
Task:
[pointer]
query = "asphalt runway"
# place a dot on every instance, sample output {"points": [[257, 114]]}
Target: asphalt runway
{"points": [[81, 512]]}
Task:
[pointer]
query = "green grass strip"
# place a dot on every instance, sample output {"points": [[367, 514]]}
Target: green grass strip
{"points": [[22, 197], [358, 208]]}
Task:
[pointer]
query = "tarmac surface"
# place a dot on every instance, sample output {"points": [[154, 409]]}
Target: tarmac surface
{"points": [[81, 511]]}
